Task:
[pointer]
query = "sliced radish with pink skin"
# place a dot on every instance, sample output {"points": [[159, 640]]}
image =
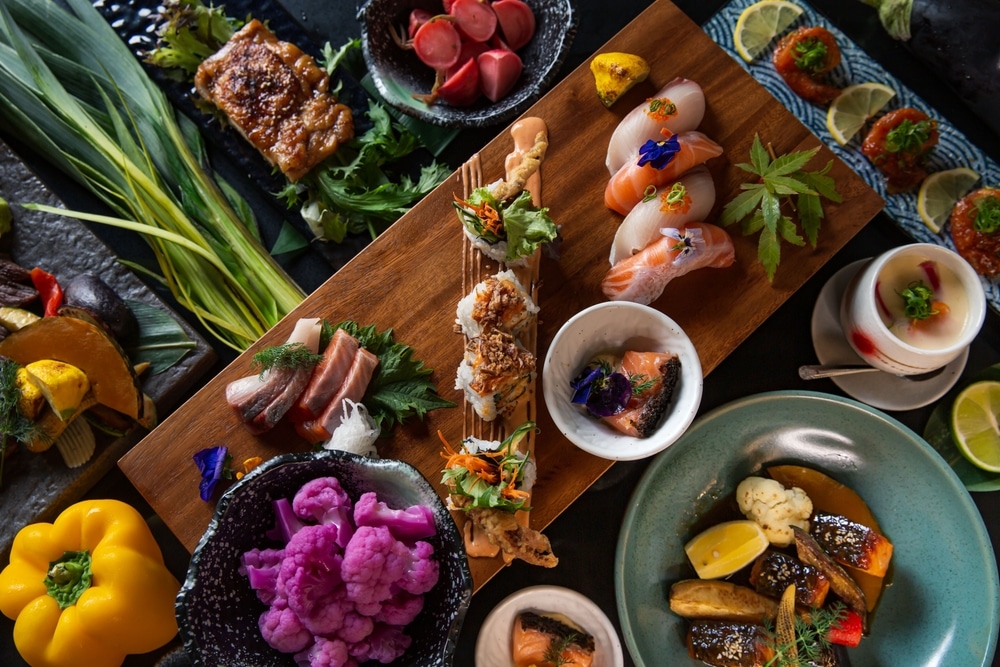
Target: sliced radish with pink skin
{"points": [[418, 17], [437, 43], [496, 42], [461, 88], [517, 22], [498, 72], [475, 19], [447, 6], [470, 51]]}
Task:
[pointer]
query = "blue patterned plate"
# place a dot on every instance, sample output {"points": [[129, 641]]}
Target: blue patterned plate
{"points": [[953, 149]]}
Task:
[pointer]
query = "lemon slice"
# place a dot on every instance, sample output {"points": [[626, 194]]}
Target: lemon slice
{"points": [[760, 23], [855, 105], [974, 424], [725, 548], [940, 191]]}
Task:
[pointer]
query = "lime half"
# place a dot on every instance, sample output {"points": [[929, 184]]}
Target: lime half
{"points": [[974, 424]]}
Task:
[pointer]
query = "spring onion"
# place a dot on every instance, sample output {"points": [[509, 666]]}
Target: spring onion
{"points": [[73, 92]]}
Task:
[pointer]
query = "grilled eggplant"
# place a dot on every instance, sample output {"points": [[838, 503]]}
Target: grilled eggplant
{"points": [[851, 543], [841, 583], [711, 598], [774, 571]]}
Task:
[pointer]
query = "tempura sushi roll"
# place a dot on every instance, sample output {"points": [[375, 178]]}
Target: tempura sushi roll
{"points": [[495, 372], [499, 302]]}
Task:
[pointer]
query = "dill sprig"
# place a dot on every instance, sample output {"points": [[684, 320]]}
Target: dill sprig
{"points": [[641, 383], [285, 356], [554, 652], [14, 425], [811, 637]]}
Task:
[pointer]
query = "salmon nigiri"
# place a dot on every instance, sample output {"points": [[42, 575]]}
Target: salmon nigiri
{"points": [[657, 373], [537, 637], [688, 199], [657, 163], [642, 277], [679, 106]]}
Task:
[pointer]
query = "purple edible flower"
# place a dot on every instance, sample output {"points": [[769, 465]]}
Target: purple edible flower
{"points": [[211, 463], [659, 153], [603, 391], [584, 381]]}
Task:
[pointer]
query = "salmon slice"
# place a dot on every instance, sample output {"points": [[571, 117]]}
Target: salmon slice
{"points": [[358, 376], [645, 410], [534, 634], [327, 377], [851, 543]]}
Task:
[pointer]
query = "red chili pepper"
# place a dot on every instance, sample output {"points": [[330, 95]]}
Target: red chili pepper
{"points": [[847, 631], [48, 289]]}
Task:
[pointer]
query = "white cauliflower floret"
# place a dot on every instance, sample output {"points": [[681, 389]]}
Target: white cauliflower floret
{"points": [[775, 508]]}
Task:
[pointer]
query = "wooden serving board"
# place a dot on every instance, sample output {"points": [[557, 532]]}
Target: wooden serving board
{"points": [[410, 279]]}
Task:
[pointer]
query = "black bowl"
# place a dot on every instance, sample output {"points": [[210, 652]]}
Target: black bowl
{"points": [[398, 74], [217, 611]]}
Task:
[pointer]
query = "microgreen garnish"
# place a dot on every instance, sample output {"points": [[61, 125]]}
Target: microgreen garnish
{"points": [[286, 356], [810, 55], [759, 206], [988, 215], [554, 652], [917, 300], [659, 154], [488, 477], [908, 137], [811, 637]]}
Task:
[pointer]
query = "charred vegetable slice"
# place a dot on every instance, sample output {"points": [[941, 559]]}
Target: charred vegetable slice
{"points": [[843, 585], [774, 571], [700, 598], [851, 543]]}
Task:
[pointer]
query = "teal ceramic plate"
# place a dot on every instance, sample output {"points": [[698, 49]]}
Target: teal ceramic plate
{"points": [[943, 602]]}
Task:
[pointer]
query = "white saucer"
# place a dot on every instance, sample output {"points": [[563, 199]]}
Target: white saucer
{"points": [[493, 646], [879, 390]]}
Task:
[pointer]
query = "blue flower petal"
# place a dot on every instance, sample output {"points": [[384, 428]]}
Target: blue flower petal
{"points": [[659, 153], [211, 463]]}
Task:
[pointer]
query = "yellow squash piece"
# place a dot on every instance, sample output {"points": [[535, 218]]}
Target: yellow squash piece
{"points": [[31, 401], [615, 73], [63, 385], [89, 588]]}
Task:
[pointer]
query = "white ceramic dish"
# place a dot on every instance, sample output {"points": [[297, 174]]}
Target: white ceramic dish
{"points": [[618, 326], [493, 646]]}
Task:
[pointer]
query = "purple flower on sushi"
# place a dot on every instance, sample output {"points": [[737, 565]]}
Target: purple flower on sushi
{"points": [[659, 153], [601, 390], [213, 463]]}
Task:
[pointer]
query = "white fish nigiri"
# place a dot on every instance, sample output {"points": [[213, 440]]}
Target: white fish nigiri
{"points": [[689, 198], [679, 106]]}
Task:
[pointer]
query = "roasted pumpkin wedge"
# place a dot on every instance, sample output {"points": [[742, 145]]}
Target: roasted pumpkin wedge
{"points": [[86, 346]]}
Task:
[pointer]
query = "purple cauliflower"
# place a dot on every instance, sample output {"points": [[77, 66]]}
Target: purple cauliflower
{"points": [[355, 627], [286, 523], [282, 629], [310, 575], [384, 644], [373, 563], [401, 609], [420, 569], [407, 525], [325, 653], [324, 501], [261, 567]]}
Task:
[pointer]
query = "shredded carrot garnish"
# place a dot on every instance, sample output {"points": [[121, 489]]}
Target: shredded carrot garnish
{"points": [[487, 215]]}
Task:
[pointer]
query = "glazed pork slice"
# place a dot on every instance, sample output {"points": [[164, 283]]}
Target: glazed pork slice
{"points": [[358, 376], [277, 97], [327, 377]]}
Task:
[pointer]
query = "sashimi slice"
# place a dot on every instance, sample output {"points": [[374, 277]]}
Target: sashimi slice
{"points": [[643, 223], [358, 376], [642, 277], [642, 416], [679, 107], [628, 185], [327, 377], [533, 634]]}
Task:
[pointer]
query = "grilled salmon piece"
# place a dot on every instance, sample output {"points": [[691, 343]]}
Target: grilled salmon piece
{"points": [[656, 374], [851, 543], [773, 571], [276, 97], [534, 635], [728, 643]]}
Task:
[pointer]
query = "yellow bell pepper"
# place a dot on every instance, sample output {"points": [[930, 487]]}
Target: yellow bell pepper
{"points": [[89, 588]]}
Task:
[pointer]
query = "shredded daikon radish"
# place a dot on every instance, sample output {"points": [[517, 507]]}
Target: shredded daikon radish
{"points": [[357, 432]]}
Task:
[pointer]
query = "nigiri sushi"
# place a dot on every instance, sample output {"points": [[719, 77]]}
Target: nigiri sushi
{"points": [[657, 163], [688, 199], [536, 637], [642, 277], [679, 106]]}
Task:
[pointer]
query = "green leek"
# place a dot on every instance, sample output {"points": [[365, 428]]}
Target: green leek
{"points": [[73, 92]]}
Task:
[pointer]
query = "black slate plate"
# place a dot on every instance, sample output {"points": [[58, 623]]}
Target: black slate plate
{"points": [[36, 487]]}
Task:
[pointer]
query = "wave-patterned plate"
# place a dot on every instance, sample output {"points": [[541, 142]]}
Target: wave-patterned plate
{"points": [[856, 66]]}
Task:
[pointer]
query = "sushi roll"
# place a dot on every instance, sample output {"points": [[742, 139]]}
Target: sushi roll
{"points": [[541, 641], [495, 372], [499, 302]]}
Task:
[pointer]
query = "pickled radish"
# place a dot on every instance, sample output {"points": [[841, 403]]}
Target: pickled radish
{"points": [[517, 22], [498, 72], [475, 19], [461, 88], [418, 17], [437, 43]]}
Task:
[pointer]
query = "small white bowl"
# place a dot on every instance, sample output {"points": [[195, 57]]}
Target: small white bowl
{"points": [[615, 327], [494, 643]]}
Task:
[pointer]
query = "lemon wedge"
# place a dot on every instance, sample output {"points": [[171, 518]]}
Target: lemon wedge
{"points": [[725, 548], [974, 424], [940, 191], [760, 23], [853, 107]]}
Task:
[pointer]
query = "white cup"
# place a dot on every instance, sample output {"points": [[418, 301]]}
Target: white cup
{"points": [[871, 312]]}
